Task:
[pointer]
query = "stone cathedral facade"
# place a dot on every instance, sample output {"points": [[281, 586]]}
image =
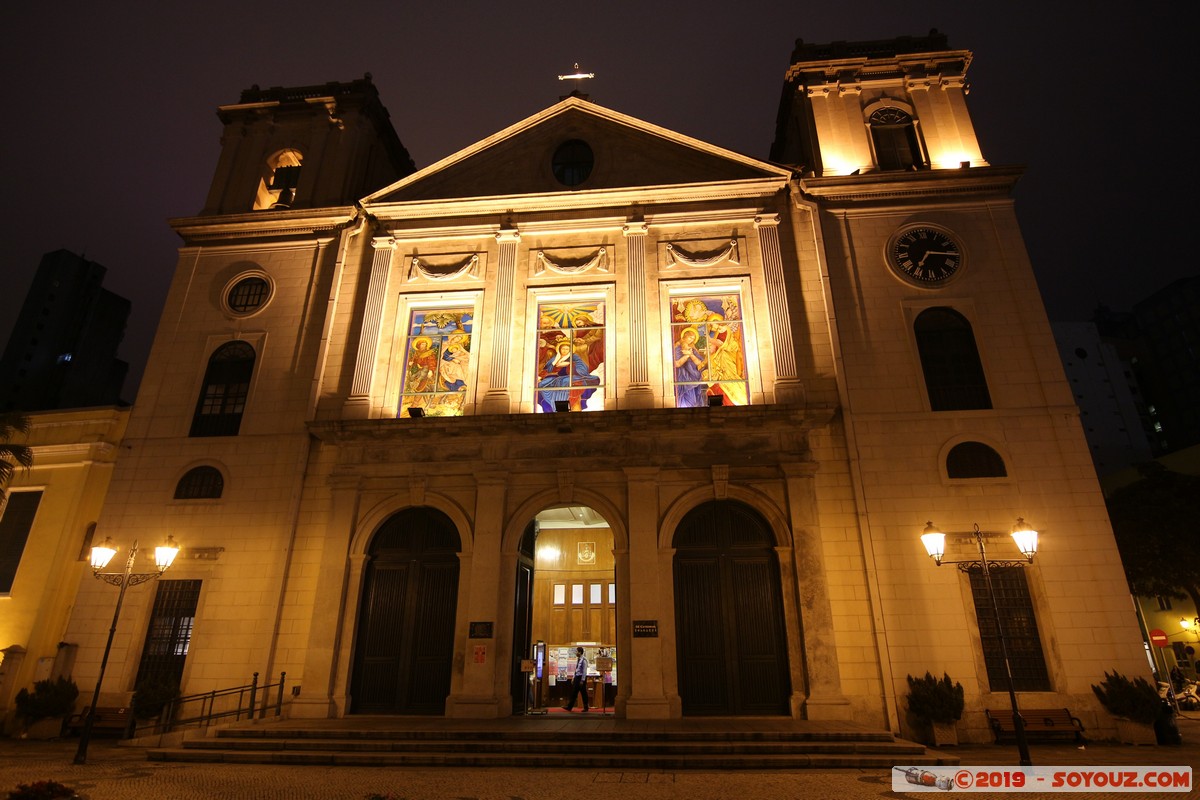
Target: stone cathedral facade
{"points": [[590, 382]]}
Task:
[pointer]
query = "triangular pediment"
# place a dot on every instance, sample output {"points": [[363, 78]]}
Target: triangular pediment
{"points": [[627, 153]]}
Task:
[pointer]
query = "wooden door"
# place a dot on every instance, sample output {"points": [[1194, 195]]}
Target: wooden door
{"points": [[731, 642], [523, 618], [405, 643]]}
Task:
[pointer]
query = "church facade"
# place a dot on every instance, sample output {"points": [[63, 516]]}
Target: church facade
{"points": [[590, 382]]}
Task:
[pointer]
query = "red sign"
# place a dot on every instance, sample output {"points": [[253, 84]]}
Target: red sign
{"points": [[1158, 638]]}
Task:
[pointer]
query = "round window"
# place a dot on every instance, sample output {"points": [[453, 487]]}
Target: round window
{"points": [[573, 162], [248, 294]]}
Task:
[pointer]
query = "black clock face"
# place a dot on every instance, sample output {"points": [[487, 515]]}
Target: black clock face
{"points": [[926, 255]]}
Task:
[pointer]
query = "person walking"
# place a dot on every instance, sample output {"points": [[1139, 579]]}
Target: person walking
{"points": [[579, 682]]}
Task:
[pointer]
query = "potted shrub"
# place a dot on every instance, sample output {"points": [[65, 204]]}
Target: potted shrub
{"points": [[151, 697], [44, 710], [42, 790], [1135, 704], [936, 703]]}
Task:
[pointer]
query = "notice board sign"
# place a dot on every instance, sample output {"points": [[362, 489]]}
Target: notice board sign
{"points": [[481, 630], [645, 629]]}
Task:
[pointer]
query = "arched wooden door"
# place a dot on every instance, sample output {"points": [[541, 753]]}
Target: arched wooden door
{"points": [[405, 644], [731, 642]]}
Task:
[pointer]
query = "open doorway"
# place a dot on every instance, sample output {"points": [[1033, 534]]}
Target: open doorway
{"points": [[566, 599]]}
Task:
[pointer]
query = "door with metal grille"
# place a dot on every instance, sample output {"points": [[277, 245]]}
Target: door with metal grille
{"points": [[731, 642], [169, 634], [405, 642]]}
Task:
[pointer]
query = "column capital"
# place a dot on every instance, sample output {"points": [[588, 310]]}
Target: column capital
{"points": [[635, 229], [508, 235], [766, 220], [382, 242]]}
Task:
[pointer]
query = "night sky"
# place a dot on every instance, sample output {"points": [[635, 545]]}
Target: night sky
{"points": [[109, 126]]}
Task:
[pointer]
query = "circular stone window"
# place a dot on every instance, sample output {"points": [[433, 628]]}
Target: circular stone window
{"points": [[572, 162], [248, 295]]}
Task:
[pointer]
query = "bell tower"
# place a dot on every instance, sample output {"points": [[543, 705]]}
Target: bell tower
{"points": [[895, 105], [305, 147]]}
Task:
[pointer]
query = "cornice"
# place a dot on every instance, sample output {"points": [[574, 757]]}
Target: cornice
{"points": [[881, 186], [570, 201], [264, 224], [617, 440]]}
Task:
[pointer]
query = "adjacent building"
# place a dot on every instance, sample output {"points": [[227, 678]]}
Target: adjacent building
{"points": [[62, 352], [47, 520], [591, 382]]}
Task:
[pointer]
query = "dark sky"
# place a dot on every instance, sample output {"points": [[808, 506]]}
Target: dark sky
{"points": [[109, 124]]}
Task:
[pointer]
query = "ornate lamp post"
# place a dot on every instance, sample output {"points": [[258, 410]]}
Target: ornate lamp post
{"points": [[1026, 538], [164, 554]]}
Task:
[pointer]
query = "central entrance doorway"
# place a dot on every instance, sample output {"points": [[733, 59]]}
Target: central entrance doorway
{"points": [[405, 646], [566, 598]]}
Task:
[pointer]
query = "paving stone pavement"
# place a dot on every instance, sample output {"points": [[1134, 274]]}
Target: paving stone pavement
{"points": [[114, 772]]}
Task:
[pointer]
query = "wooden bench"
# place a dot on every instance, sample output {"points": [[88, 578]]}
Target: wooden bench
{"points": [[114, 721], [1045, 724]]}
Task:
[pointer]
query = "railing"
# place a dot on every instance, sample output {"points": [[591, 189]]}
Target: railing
{"points": [[200, 710]]}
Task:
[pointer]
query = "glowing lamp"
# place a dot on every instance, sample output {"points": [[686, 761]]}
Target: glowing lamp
{"points": [[1026, 538], [103, 553], [935, 542], [165, 553]]}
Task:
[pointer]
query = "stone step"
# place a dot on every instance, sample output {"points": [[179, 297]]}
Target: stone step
{"points": [[607, 746], [564, 748], [644, 761]]}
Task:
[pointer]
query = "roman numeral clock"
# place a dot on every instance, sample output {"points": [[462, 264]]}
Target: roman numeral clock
{"points": [[925, 255]]}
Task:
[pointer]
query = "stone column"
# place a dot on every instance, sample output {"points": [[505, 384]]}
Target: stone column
{"points": [[788, 388], [358, 404], [822, 674], [497, 400], [475, 696], [638, 393], [642, 660], [317, 700]]}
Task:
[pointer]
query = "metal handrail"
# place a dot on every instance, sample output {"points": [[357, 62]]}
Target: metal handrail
{"points": [[246, 704]]}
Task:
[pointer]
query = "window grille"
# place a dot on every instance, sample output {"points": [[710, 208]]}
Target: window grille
{"points": [[226, 387], [950, 360], [170, 633], [1020, 630], [974, 460], [200, 483]]}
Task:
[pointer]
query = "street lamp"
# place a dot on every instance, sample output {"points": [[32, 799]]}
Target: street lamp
{"points": [[164, 554], [1026, 538]]}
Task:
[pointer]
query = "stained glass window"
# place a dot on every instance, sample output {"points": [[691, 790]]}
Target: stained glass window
{"points": [[708, 350], [437, 361], [570, 356]]}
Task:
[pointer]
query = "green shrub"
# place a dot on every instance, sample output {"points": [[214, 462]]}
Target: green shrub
{"points": [[42, 790], [934, 700], [48, 699], [151, 696], [1133, 699]]}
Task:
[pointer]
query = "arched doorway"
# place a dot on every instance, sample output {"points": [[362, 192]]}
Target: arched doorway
{"points": [[731, 642], [565, 598], [405, 644]]}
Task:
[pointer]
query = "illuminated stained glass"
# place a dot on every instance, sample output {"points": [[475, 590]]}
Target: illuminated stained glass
{"points": [[570, 356], [437, 361], [708, 350]]}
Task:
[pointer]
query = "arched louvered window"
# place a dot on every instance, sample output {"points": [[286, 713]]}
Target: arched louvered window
{"points": [[895, 138], [974, 460], [950, 360], [226, 386], [200, 483]]}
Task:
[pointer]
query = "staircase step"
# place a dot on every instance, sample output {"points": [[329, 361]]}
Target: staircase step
{"points": [[604, 743]]}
